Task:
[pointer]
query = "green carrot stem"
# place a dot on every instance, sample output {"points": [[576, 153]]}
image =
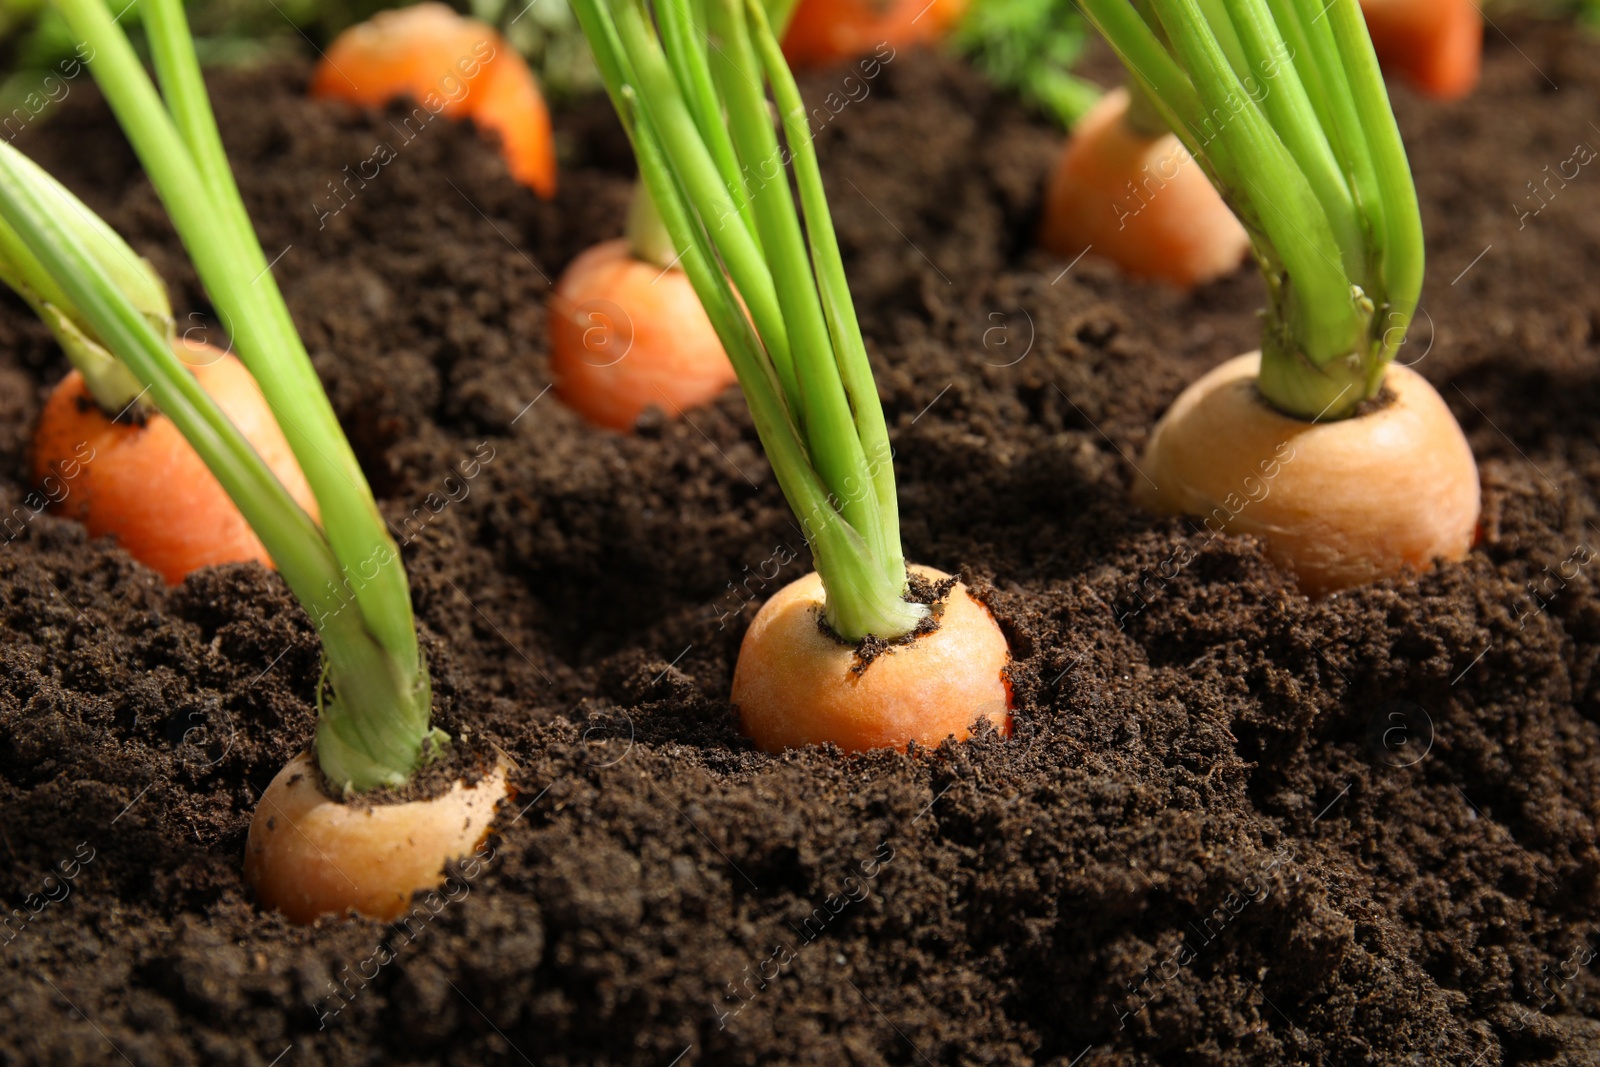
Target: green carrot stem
{"points": [[803, 367], [682, 26], [347, 575], [647, 235], [844, 330], [1289, 112], [828, 425], [112, 385], [1400, 261], [114, 388], [1282, 103], [241, 282], [663, 105]]}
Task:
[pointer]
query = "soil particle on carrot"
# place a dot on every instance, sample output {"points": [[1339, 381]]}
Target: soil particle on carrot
{"points": [[1368, 820]]}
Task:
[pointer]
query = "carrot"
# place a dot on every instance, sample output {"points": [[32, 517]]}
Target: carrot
{"points": [[769, 275], [1435, 45], [626, 335], [1140, 201], [374, 697], [145, 485], [455, 66], [831, 31], [308, 854], [1348, 468], [795, 685], [1338, 503]]}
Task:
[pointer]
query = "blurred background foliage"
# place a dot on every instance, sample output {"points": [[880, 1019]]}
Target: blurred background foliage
{"points": [[1028, 47]]}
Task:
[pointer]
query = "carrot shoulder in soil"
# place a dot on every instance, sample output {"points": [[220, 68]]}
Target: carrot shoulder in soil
{"points": [[1125, 189], [1348, 468], [627, 331], [313, 846], [450, 65], [821, 32], [865, 653], [1435, 45], [99, 446]]}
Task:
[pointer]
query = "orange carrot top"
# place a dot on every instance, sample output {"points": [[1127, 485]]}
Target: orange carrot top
{"points": [[831, 31], [135, 478], [1435, 45], [102, 453], [1138, 200], [450, 65]]}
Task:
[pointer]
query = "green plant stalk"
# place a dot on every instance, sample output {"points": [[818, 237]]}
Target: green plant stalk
{"points": [[114, 388], [112, 385], [1317, 301], [648, 239], [779, 13], [1311, 162], [272, 349], [1400, 246], [828, 425], [863, 599], [373, 730], [1290, 114], [663, 106], [1148, 62], [1064, 95], [865, 586], [1342, 121], [681, 28], [844, 329]]}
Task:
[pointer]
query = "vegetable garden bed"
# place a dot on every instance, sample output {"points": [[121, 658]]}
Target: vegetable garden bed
{"points": [[1232, 825]]}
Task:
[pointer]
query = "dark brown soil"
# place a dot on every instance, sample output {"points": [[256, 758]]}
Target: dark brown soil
{"points": [[1233, 826]]}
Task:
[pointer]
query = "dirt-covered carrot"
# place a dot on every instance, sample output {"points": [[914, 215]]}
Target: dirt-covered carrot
{"points": [[1132, 193], [1394, 487], [98, 439], [1349, 469], [309, 854], [628, 333], [374, 700], [821, 32], [449, 65], [189, 522], [797, 685], [847, 655], [1435, 45]]}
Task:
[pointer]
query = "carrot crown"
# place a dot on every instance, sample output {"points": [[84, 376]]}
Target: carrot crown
{"points": [[1283, 104], [690, 82], [373, 728]]}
